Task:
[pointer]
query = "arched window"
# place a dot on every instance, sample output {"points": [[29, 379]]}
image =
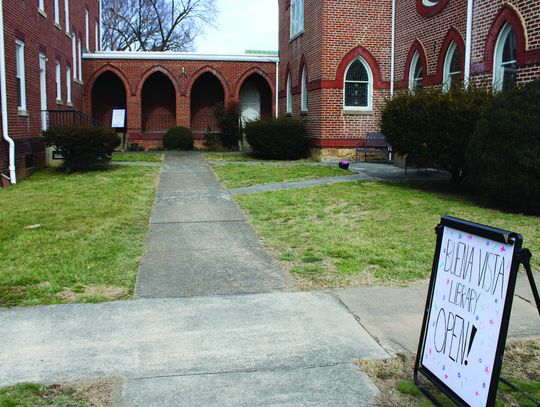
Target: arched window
{"points": [[304, 93], [505, 65], [289, 94], [416, 74], [452, 68], [429, 3], [358, 89]]}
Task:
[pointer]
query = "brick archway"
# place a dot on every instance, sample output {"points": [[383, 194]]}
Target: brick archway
{"points": [[158, 103]]}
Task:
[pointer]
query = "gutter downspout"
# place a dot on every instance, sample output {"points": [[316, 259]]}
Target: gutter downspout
{"points": [[277, 89], [3, 100], [392, 48], [468, 43], [100, 27]]}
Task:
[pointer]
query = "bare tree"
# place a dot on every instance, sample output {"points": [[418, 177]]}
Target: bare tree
{"points": [[155, 25]]}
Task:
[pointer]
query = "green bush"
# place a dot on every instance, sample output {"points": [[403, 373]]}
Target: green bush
{"points": [[178, 138], [504, 152], [81, 146], [433, 128], [229, 124], [135, 147], [278, 138], [211, 140]]}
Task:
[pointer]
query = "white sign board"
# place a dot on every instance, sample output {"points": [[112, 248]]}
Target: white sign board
{"points": [[118, 118], [466, 315]]}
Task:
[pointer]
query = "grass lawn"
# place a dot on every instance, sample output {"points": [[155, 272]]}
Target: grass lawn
{"points": [[362, 233], [238, 156], [239, 176], [74, 238], [393, 378], [30, 395], [137, 157]]}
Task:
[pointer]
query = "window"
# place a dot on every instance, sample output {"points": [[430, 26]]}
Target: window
{"points": [[56, 12], [452, 68], [66, 11], [358, 89], [289, 94], [98, 43], [430, 3], [68, 85], [80, 61], [41, 5], [21, 85], [416, 74], [58, 76], [297, 17], [87, 28], [505, 65], [74, 54], [304, 90]]}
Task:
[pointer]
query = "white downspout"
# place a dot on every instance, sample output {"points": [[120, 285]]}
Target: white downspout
{"points": [[3, 100], [468, 43], [100, 27], [392, 48], [277, 88]]}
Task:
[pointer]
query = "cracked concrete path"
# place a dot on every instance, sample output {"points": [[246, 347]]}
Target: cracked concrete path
{"points": [[199, 241], [276, 349]]}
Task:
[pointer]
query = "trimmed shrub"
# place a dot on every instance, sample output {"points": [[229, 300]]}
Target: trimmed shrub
{"points": [[83, 147], [229, 124], [278, 138], [504, 152], [211, 140], [178, 138], [433, 128]]}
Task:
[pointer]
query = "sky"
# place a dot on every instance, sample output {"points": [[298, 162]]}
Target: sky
{"points": [[242, 25]]}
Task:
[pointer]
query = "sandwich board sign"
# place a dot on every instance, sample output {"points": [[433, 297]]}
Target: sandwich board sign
{"points": [[468, 310], [118, 118]]}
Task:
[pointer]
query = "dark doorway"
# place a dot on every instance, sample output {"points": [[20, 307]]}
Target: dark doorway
{"points": [[206, 93], [108, 93], [158, 104]]}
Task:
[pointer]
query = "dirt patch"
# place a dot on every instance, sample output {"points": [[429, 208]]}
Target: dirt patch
{"points": [[102, 291], [393, 376], [99, 392]]}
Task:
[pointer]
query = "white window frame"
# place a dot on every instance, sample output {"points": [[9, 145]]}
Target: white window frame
{"points": [[68, 85], [57, 13], [412, 71], [289, 99], [304, 90], [429, 3], [498, 65], [80, 60], [369, 106], [297, 17], [447, 74], [21, 75], [87, 28], [97, 45], [58, 77], [74, 55], [41, 6], [66, 11]]}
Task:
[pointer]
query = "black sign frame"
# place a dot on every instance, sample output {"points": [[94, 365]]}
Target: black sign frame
{"points": [[488, 232]]}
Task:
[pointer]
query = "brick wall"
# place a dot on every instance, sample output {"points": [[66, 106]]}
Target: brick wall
{"points": [[182, 75], [335, 33], [23, 21]]}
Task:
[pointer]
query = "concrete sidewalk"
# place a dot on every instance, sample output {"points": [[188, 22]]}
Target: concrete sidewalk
{"points": [[393, 315], [278, 349], [199, 242]]}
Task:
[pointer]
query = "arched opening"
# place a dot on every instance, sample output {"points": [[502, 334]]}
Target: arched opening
{"points": [[206, 93], [108, 93], [255, 98], [158, 104]]}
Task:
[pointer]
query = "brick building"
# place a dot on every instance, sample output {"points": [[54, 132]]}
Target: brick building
{"points": [[43, 42], [337, 57], [161, 90]]}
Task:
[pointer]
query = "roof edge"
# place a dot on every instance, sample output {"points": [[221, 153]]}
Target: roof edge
{"points": [[179, 56]]}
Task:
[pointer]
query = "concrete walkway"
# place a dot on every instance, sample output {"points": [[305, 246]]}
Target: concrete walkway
{"points": [[279, 349], [199, 242]]}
